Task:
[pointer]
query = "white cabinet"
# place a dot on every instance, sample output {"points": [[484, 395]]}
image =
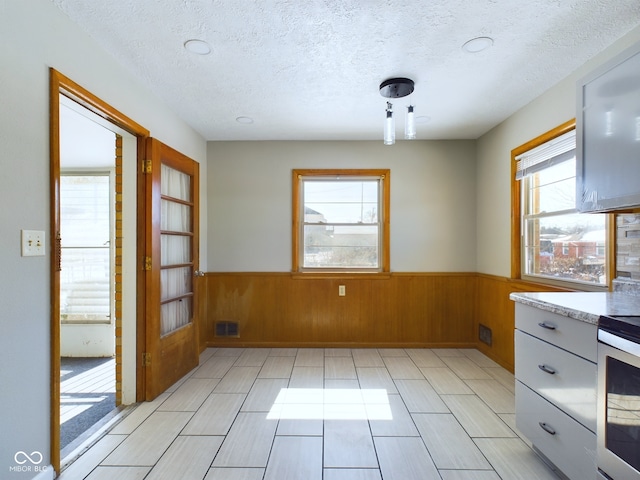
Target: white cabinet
{"points": [[608, 135], [555, 368]]}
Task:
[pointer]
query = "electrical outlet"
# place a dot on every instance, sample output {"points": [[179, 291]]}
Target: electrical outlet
{"points": [[342, 290], [32, 243]]}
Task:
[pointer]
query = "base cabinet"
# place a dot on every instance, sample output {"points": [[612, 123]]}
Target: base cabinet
{"points": [[566, 443], [556, 385]]}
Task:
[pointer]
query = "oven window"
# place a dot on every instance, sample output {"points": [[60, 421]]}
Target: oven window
{"points": [[623, 411]]}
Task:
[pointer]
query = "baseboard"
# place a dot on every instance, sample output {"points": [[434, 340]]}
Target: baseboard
{"points": [[47, 473], [238, 343]]}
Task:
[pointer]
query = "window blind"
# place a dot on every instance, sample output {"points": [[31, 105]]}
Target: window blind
{"points": [[551, 153]]}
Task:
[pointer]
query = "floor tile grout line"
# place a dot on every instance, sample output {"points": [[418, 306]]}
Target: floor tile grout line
{"points": [[324, 379]]}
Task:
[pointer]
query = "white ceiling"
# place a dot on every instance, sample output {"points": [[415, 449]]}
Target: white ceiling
{"points": [[86, 141], [310, 69]]}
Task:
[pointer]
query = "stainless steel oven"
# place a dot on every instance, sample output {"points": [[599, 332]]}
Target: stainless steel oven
{"points": [[618, 428]]}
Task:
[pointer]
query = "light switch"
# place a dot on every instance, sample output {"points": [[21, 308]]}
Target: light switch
{"points": [[32, 243]]}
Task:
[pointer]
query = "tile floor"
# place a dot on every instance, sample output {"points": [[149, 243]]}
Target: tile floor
{"points": [[323, 414]]}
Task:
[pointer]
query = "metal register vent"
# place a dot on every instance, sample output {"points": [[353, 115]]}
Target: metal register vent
{"points": [[227, 329]]}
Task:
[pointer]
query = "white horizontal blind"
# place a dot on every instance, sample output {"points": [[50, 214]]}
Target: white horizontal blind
{"points": [[551, 153]]}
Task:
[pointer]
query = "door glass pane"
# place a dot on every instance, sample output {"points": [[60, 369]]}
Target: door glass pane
{"points": [[175, 282], [176, 217], [176, 250], [175, 184], [175, 315]]}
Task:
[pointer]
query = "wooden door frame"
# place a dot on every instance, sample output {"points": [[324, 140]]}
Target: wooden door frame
{"points": [[59, 84]]}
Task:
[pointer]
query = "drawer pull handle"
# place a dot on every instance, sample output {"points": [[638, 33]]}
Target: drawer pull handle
{"points": [[547, 428], [548, 327], [546, 369]]}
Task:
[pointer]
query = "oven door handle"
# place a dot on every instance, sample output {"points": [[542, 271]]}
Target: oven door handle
{"points": [[547, 428], [618, 342]]}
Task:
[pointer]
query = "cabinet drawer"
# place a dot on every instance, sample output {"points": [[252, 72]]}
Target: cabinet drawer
{"points": [[572, 388], [568, 333], [572, 448]]}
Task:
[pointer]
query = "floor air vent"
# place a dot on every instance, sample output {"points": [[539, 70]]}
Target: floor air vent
{"points": [[227, 329], [484, 334]]}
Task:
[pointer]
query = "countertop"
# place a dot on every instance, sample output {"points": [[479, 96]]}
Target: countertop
{"points": [[584, 306]]}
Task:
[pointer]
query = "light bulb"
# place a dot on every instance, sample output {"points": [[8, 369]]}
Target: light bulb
{"points": [[389, 127], [410, 124]]}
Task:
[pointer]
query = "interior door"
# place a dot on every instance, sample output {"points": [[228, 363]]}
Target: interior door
{"points": [[171, 264]]}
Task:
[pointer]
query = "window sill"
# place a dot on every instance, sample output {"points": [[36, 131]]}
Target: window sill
{"points": [[566, 285]]}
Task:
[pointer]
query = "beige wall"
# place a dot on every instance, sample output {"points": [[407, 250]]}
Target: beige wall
{"points": [[34, 36], [432, 196], [554, 107]]}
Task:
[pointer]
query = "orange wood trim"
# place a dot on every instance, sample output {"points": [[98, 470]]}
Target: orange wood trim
{"points": [[142, 211], [295, 223], [386, 221], [74, 91], [516, 193], [209, 344], [54, 175]]}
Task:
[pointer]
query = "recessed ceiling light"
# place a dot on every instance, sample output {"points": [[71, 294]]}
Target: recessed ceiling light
{"points": [[244, 120], [477, 44], [199, 47], [423, 119]]}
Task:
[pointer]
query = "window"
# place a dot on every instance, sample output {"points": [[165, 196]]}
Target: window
{"points": [[557, 244], [341, 220], [86, 256]]}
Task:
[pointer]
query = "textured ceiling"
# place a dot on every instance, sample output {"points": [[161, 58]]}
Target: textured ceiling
{"points": [[310, 69]]}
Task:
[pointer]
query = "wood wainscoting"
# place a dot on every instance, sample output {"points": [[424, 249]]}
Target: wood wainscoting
{"points": [[496, 311], [390, 310]]}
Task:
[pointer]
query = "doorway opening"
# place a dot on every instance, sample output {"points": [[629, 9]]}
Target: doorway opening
{"points": [[94, 290], [88, 281]]}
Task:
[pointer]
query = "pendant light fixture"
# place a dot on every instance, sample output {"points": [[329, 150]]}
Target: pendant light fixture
{"points": [[397, 88]]}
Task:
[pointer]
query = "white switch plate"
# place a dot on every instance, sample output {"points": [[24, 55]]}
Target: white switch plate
{"points": [[342, 290], [32, 243]]}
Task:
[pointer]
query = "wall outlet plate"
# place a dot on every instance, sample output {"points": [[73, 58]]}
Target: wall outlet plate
{"points": [[32, 243]]}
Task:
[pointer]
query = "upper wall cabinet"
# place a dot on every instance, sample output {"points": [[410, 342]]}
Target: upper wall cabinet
{"points": [[608, 135]]}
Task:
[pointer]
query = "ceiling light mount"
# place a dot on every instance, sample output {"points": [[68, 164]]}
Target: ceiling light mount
{"points": [[396, 87]]}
